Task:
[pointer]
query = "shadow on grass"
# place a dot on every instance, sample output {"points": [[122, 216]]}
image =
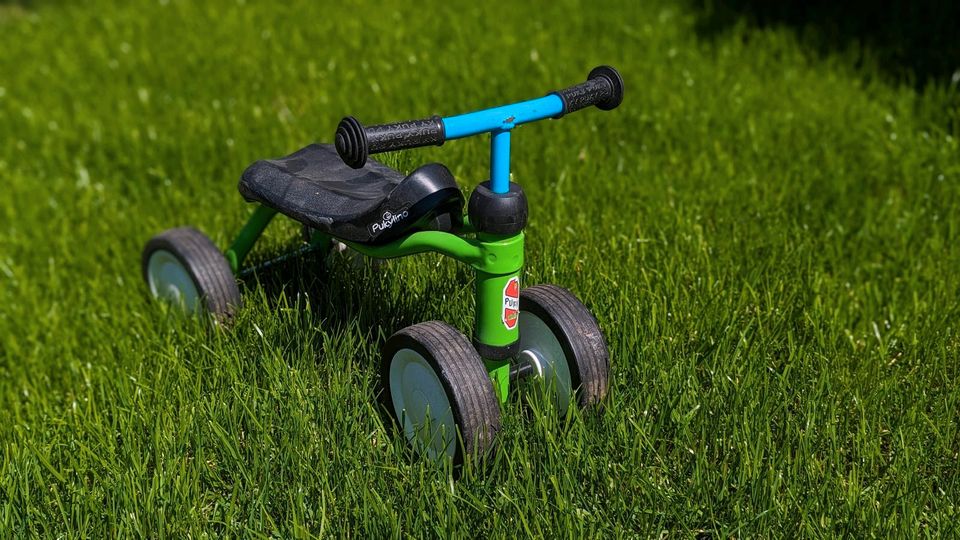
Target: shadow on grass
{"points": [[913, 41], [351, 291], [341, 292], [348, 289]]}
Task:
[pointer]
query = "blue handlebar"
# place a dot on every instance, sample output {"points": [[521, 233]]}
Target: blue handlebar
{"points": [[603, 89], [505, 117]]}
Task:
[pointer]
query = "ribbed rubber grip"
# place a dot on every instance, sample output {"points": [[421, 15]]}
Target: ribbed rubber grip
{"points": [[603, 88], [355, 142]]}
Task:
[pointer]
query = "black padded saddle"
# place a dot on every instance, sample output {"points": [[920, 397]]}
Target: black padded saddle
{"points": [[372, 205]]}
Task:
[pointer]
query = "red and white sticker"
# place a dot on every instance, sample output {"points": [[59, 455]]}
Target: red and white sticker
{"points": [[511, 303]]}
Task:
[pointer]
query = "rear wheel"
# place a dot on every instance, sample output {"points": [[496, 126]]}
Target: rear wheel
{"points": [[439, 391], [184, 267], [562, 340]]}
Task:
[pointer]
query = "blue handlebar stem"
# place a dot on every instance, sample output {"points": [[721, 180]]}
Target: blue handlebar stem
{"points": [[498, 121]]}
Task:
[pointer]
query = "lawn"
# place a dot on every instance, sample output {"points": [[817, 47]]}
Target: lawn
{"points": [[766, 231]]}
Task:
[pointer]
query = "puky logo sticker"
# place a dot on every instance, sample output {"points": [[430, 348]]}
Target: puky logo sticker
{"points": [[511, 303], [389, 220]]}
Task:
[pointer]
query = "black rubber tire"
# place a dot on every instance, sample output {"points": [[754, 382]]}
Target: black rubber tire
{"points": [[463, 376], [208, 268], [579, 335]]}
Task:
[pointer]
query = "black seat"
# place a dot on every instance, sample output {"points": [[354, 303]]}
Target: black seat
{"points": [[374, 204]]}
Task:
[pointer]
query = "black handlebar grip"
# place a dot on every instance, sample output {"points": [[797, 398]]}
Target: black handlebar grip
{"points": [[603, 88], [355, 142]]}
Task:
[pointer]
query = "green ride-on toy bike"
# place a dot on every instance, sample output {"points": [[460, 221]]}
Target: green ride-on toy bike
{"points": [[442, 388]]}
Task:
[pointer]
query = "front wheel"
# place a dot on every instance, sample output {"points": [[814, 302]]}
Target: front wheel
{"points": [[441, 395], [561, 339]]}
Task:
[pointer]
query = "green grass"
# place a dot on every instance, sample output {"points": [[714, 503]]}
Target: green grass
{"points": [[767, 235]]}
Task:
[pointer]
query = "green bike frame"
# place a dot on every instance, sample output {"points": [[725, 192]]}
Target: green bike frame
{"points": [[496, 261]]}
